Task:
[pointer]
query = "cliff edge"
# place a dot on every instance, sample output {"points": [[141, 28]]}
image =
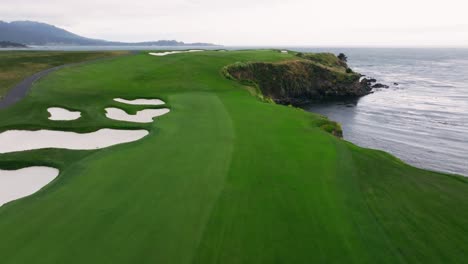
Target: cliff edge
{"points": [[310, 77]]}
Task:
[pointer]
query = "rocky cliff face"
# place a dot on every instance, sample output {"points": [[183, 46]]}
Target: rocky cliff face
{"points": [[309, 78]]}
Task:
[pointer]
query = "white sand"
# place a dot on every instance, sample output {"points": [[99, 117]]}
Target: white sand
{"points": [[20, 140], [143, 116], [172, 52], [140, 101], [284, 51], [62, 114], [16, 184]]}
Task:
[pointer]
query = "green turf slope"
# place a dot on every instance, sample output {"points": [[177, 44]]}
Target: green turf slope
{"points": [[222, 178], [17, 65]]}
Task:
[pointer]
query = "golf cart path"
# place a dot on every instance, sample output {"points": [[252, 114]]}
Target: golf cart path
{"points": [[21, 89]]}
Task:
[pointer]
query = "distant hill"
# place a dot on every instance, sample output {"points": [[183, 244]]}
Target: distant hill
{"points": [[36, 33], [9, 44]]}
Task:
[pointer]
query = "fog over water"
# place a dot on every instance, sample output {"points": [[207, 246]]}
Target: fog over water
{"points": [[255, 22]]}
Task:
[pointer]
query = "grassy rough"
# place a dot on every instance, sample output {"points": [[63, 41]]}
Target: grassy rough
{"points": [[17, 65], [326, 59], [223, 178]]}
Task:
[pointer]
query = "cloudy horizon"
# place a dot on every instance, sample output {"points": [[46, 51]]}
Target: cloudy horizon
{"points": [[256, 22]]}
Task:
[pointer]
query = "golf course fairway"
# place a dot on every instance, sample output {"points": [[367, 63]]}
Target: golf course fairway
{"points": [[223, 178]]}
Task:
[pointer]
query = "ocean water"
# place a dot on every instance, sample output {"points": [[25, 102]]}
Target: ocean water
{"points": [[423, 120]]}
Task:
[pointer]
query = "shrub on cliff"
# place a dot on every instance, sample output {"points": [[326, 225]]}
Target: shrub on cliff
{"points": [[342, 57]]}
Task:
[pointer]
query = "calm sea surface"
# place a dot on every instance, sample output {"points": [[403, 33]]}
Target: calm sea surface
{"points": [[423, 120]]}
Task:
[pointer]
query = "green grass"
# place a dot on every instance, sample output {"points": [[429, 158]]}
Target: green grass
{"points": [[222, 178], [17, 65], [328, 60]]}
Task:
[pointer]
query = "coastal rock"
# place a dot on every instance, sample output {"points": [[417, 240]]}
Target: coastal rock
{"points": [[379, 85], [313, 78]]}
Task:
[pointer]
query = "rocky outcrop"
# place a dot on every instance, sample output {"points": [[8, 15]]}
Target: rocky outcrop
{"points": [[379, 85], [310, 78]]}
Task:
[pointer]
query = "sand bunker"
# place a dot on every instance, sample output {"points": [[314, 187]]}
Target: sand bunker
{"points": [[15, 184], [172, 52], [62, 114], [143, 116], [140, 101], [20, 140]]}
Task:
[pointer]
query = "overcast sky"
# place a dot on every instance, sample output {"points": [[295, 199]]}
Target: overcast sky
{"points": [[256, 22]]}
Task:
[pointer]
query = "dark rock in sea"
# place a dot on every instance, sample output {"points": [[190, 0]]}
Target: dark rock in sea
{"points": [[396, 84], [379, 85], [369, 82]]}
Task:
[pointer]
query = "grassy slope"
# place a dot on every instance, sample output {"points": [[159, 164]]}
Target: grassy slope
{"points": [[223, 178], [17, 65]]}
